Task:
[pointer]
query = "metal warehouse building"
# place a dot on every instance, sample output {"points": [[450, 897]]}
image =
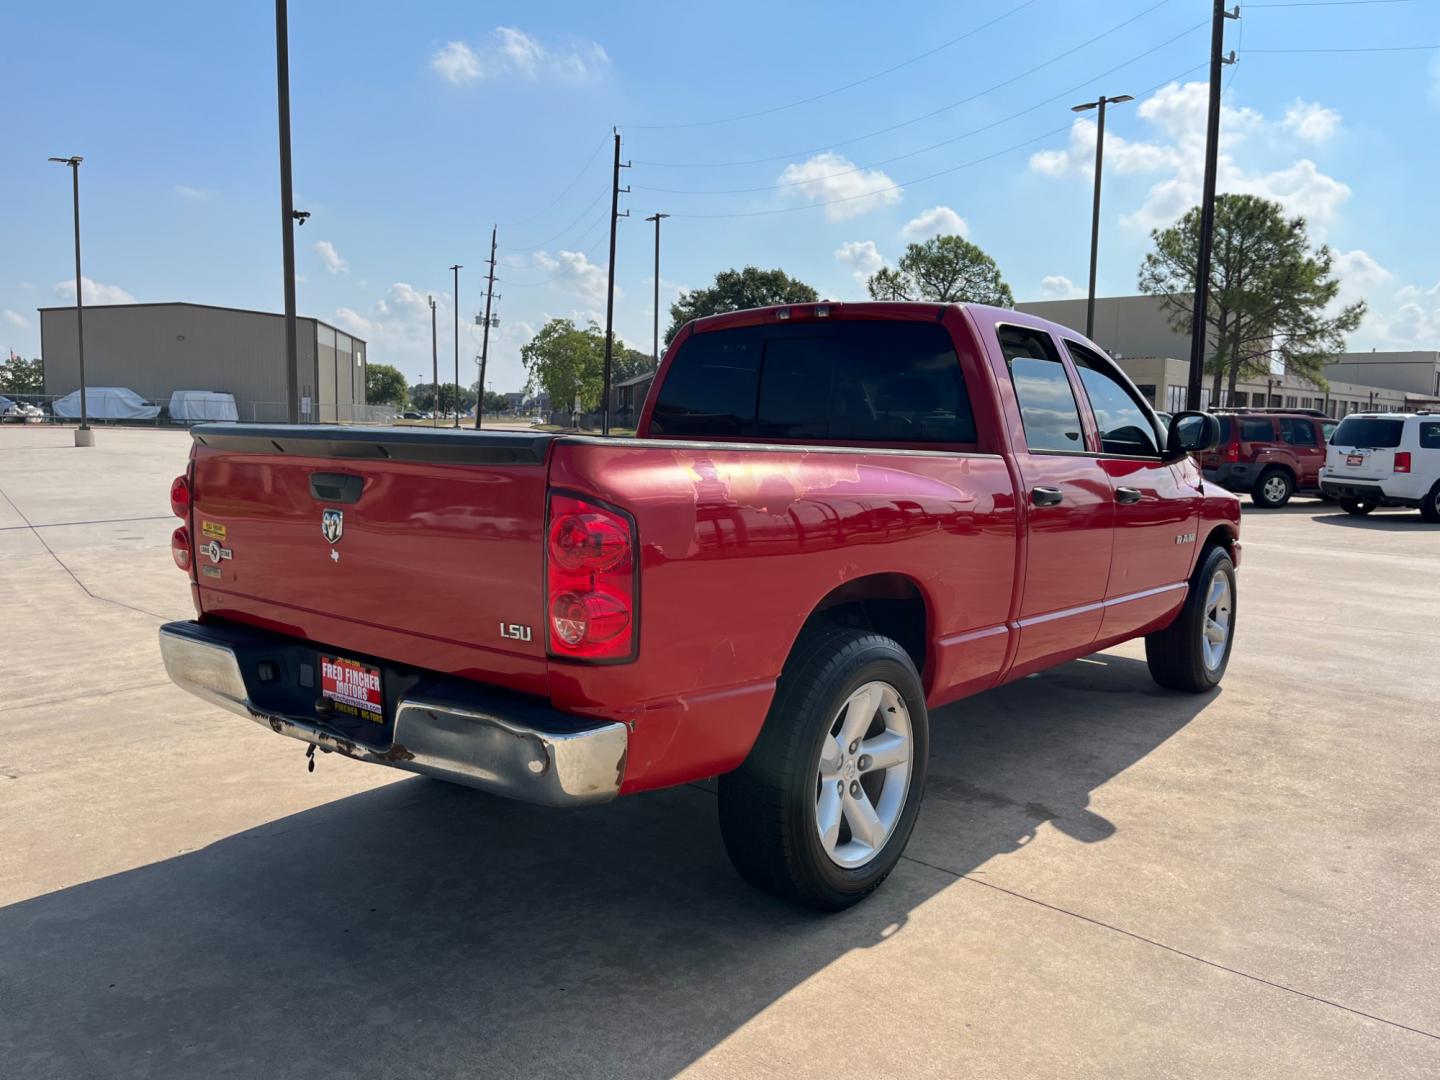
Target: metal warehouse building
{"points": [[155, 349]]}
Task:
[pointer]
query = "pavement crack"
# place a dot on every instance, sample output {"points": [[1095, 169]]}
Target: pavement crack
{"points": [[1172, 949], [35, 530]]}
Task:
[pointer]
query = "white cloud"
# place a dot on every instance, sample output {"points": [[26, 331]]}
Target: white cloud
{"points": [[1311, 121], [456, 62], [937, 221], [575, 271], [1178, 112], [193, 194], [832, 178], [508, 51], [95, 292], [331, 258], [863, 258], [15, 319], [1060, 287]]}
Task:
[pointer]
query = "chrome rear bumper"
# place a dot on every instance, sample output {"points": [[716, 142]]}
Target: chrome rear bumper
{"points": [[491, 741]]}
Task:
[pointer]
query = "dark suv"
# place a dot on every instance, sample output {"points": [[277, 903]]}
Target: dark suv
{"points": [[1271, 453]]}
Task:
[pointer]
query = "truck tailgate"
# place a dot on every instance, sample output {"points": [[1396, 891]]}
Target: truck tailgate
{"points": [[415, 545]]}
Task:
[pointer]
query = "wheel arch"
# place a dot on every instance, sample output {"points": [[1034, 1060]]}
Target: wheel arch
{"points": [[889, 603]]}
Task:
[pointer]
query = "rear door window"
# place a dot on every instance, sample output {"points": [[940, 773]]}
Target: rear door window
{"points": [[1256, 429], [1047, 403], [1125, 428], [1297, 431], [1369, 432], [1430, 434], [863, 381]]}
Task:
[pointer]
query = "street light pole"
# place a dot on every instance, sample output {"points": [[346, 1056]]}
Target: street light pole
{"points": [[434, 365], [287, 209], [83, 435], [456, 270], [656, 218], [1095, 211]]}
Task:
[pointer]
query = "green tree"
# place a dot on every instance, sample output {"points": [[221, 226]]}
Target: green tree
{"points": [[422, 396], [946, 269], [385, 385], [628, 362], [21, 376], [494, 402], [1271, 296], [566, 363], [735, 290]]}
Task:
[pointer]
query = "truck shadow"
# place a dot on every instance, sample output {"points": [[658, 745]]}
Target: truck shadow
{"points": [[419, 929]]}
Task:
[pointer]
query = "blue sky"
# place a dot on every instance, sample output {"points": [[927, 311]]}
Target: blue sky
{"points": [[416, 128]]}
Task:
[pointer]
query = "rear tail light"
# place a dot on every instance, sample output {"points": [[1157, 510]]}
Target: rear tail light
{"points": [[180, 497], [180, 547], [1402, 460], [1232, 452], [590, 581]]}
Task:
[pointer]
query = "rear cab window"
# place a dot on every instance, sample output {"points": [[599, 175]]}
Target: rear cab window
{"points": [[859, 381], [1369, 433]]}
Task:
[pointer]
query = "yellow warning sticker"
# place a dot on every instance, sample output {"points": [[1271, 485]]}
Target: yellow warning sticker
{"points": [[213, 529]]}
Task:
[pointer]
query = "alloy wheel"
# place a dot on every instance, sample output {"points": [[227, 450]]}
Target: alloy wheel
{"points": [[864, 774], [1219, 605]]}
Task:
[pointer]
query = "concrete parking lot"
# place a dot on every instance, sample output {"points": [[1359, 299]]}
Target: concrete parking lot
{"points": [[1107, 879]]}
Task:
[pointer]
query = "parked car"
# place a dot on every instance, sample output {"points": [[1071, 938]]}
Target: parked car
{"points": [[1272, 454], [1385, 460], [833, 519], [412, 416]]}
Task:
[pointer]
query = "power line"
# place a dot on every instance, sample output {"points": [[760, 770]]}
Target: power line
{"points": [[1365, 49], [565, 191], [933, 146], [840, 89], [567, 228], [921, 179], [932, 113]]}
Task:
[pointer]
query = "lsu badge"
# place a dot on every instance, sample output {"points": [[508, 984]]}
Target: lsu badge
{"points": [[332, 525]]}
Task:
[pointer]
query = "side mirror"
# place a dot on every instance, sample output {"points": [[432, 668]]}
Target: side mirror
{"points": [[1191, 433]]}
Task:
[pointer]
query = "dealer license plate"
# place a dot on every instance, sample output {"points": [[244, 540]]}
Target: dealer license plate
{"points": [[1354, 459], [353, 687]]}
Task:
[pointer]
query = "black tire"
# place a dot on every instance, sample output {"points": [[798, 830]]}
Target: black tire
{"points": [[1282, 486], [1176, 655], [768, 805], [1358, 507], [1430, 506]]}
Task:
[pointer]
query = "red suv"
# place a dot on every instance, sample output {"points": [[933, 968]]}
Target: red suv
{"points": [[1272, 454]]}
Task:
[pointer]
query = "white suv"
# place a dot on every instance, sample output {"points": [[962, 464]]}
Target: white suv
{"points": [[1385, 459]]}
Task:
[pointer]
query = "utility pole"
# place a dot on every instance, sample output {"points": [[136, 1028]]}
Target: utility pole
{"points": [[287, 209], [485, 333], [656, 218], [83, 435], [434, 366], [456, 271], [615, 216], [1095, 212], [1198, 333]]}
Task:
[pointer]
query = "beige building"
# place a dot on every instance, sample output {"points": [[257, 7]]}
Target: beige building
{"points": [[154, 349], [1135, 331]]}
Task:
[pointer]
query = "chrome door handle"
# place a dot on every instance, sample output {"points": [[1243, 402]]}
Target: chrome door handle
{"points": [[1127, 495], [1046, 496]]}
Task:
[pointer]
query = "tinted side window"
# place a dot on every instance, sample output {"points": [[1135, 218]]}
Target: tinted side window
{"points": [[1297, 431], [1429, 435], [1124, 426], [1047, 404], [878, 381], [1328, 427], [1255, 429], [710, 387]]}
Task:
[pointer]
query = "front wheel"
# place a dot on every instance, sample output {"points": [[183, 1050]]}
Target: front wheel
{"points": [[821, 810], [1357, 507], [1192, 653]]}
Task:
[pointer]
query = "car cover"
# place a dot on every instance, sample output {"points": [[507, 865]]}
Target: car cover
{"points": [[107, 403]]}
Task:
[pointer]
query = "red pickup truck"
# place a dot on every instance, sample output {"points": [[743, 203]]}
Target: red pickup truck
{"points": [[834, 519]]}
